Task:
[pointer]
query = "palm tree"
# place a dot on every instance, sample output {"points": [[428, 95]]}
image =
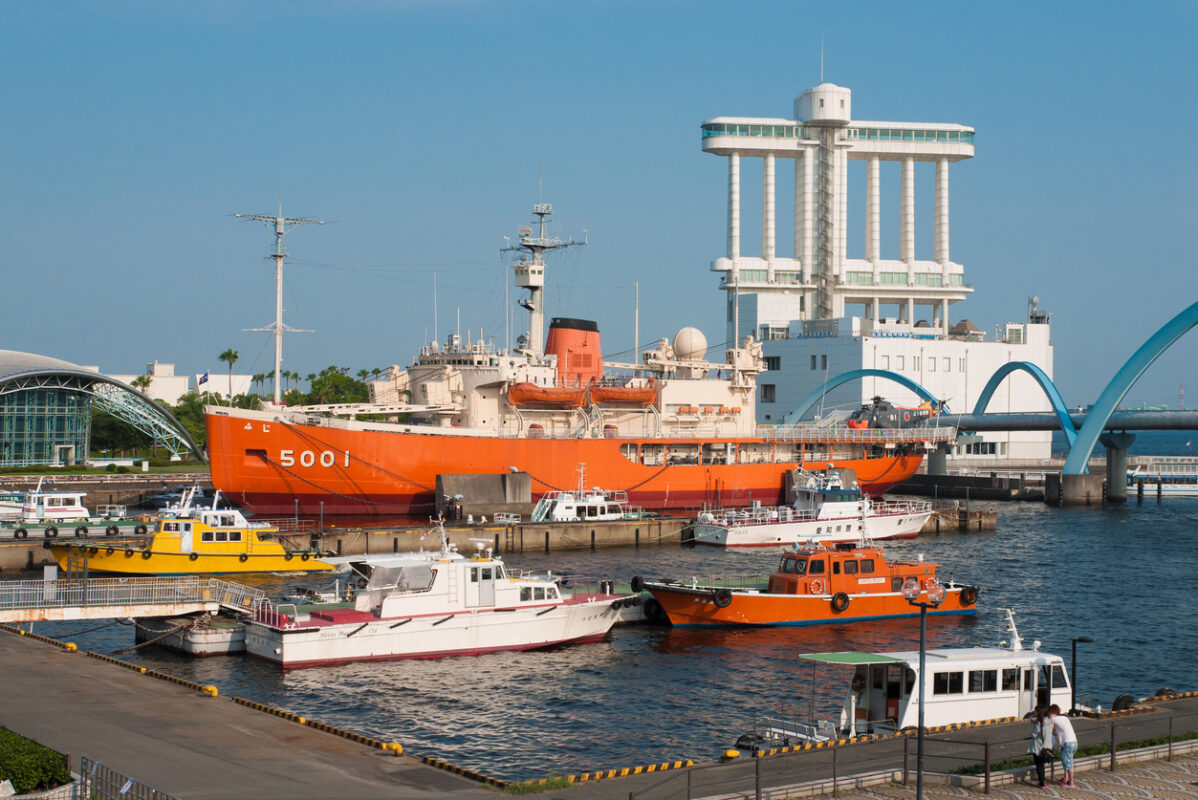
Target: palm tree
{"points": [[257, 380], [363, 374], [230, 357], [141, 383]]}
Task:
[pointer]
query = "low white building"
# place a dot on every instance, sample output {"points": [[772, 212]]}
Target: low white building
{"points": [[165, 386]]}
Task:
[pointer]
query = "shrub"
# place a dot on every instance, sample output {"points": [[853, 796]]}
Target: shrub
{"points": [[30, 766]]}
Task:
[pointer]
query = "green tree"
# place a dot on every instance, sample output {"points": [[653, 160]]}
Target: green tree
{"points": [[230, 357], [141, 383], [332, 385]]}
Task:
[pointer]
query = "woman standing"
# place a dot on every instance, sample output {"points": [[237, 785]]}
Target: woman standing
{"points": [[1062, 730], [1041, 744]]}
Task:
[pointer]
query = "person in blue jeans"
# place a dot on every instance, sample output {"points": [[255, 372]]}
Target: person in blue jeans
{"points": [[1062, 733]]}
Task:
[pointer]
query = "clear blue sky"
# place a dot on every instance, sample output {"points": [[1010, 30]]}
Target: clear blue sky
{"points": [[134, 130]]}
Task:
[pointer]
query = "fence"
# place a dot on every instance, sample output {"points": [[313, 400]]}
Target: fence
{"points": [[846, 765], [100, 782], [70, 592]]}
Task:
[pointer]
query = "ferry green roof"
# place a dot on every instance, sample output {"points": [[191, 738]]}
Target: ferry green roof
{"points": [[851, 658]]}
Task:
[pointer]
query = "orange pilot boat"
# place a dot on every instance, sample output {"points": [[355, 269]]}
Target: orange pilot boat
{"points": [[813, 585]]}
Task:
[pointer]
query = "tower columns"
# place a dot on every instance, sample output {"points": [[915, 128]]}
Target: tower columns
{"points": [[873, 214], [940, 245], [907, 215], [734, 208], [767, 212]]}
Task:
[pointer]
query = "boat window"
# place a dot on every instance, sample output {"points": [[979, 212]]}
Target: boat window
{"points": [[682, 454], [850, 568], [815, 566], [206, 536], [983, 680], [234, 536], [835, 567], [896, 584], [498, 572], [1010, 679], [222, 536], [551, 593], [525, 593], [1057, 674], [948, 683], [486, 573], [538, 593], [474, 574], [653, 455], [910, 682], [629, 452], [1027, 680], [879, 677], [170, 526], [867, 566], [799, 567]]}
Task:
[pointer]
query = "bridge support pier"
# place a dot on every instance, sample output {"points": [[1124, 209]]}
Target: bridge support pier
{"points": [[1116, 445], [938, 459], [1073, 490]]}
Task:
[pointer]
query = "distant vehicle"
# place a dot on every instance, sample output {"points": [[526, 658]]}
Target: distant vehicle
{"points": [[884, 414]]}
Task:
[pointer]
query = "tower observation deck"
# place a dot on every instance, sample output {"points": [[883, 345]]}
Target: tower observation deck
{"points": [[818, 279]]}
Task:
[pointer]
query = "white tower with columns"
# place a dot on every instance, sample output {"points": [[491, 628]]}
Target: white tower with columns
{"points": [[814, 284]]}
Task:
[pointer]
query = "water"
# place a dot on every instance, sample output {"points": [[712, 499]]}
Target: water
{"points": [[1121, 575]]}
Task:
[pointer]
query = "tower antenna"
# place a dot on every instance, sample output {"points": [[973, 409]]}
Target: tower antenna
{"points": [[821, 59], [282, 226]]}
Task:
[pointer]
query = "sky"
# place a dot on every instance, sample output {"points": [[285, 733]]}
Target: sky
{"points": [[423, 132]]}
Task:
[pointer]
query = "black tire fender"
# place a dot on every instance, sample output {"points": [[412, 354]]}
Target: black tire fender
{"points": [[111, 530], [722, 598], [20, 533], [244, 557], [146, 554], [638, 583], [128, 554], [81, 531], [305, 556], [969, 595], [140, 530], [194, 556], [50, 533], [288, 556], [840, 602]]}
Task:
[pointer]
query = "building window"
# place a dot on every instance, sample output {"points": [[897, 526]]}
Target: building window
{"points": [[823, 362], [931, 365], [813, 362], [767, 392], [821, 102], [948, 365], [898, 363], [885, 362], [960, 365], [773, 363], [915, 363]]}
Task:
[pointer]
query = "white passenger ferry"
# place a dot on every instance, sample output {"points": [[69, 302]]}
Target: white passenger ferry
{"points": [[829, 507], [964, 684], [1168, 476]]}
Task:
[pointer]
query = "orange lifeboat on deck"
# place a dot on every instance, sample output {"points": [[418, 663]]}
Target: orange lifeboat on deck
{"points": [[624, 395], [530, 394]]}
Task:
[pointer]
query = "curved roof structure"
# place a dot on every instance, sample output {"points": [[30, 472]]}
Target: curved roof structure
{"points": [[25, 371]]}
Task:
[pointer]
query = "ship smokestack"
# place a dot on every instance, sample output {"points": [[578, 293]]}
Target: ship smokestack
{"points": [[575, 342]]}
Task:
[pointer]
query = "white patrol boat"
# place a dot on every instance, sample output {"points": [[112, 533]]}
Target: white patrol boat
{"points": [[829, 508], [964, 684], [426, 605]]}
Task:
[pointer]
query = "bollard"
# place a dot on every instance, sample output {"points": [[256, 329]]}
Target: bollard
{"points": [[1112, 747]]}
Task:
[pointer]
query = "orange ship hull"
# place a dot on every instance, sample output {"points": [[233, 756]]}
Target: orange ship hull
{"points": [[691, 607], [270, 466]]}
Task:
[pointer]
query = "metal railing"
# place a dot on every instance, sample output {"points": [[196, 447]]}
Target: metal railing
{"points": [[813, 433], [894, 758], [70, 592], [773, 515], [101, 782]]}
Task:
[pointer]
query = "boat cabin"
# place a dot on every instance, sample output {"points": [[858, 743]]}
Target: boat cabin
{"points": [[595, 505], [42, 506], [849, 568]]}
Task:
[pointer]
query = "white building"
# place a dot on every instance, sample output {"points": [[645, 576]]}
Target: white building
{"points": [[821, 313], [164, 386]]}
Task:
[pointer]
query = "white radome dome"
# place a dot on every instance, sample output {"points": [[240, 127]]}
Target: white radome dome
{"points": [[690, 344]]}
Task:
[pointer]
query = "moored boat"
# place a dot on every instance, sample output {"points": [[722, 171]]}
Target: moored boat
{"points": [[962, 685], [190, 541], [427, 605], [673, 430], [829, 507], [812, 585]]}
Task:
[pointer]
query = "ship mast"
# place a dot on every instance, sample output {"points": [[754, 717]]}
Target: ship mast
{"points": [[530, 271], [283, 226]]}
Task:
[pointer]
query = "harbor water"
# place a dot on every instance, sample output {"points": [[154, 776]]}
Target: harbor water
{"points": [[1121, 575]]}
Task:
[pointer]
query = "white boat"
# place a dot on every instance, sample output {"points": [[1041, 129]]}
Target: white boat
{"points": [[964, 684], [10, 504], [426, 605], [1168, 476], [829, 507], [582, 504], [53, 507]]}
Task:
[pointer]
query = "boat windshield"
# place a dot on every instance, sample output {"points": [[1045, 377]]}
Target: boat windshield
{"points": [[795, 566]]}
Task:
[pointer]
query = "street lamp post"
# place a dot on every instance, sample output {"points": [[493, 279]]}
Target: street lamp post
{"points": [[1073, 673], [933, 594]]}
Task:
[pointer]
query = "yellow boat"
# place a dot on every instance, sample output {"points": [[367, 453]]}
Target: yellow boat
{"points": [[188, 542]]}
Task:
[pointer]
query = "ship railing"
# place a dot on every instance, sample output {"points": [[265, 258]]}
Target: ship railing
{"points": [[763, 515], [287, 524], [569, 585], [806, 433], [891, 507], [267, 613], [73, 592], [757, 582]]}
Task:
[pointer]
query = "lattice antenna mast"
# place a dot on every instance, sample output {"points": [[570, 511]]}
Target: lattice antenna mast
{"points": [[530, 270], [282, 226]]}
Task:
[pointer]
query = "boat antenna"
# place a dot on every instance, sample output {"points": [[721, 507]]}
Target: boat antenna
{"points": [[530, 270], [435, 336], [1016, 639], [282, 226]]}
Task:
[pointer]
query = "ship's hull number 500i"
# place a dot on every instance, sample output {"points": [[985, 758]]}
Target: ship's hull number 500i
{"points": [[310, 458]]}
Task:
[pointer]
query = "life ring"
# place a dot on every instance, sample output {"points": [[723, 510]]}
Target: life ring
{"points": [[969, 595], [20, 533], [638, 584], [194, 556], [288, 556], [109, 550], [48, 534], [140, 530], [128, 554], [244, 557], [722, 598], [817, 586], [111, 530], [146, 554], [840, 601], [80, 532], [305, 556], [858, 683]]}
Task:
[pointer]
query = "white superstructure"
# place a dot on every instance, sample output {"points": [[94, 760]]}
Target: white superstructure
{"points": [[820, 313]]}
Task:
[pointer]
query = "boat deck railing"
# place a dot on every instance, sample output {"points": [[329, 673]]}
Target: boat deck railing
{"points": [[839, 433], [124, 592], [774, 515], [757, 582]]}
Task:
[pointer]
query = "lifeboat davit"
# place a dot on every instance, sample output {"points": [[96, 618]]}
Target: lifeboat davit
{"points": [[624, 395], [526, 393]]}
